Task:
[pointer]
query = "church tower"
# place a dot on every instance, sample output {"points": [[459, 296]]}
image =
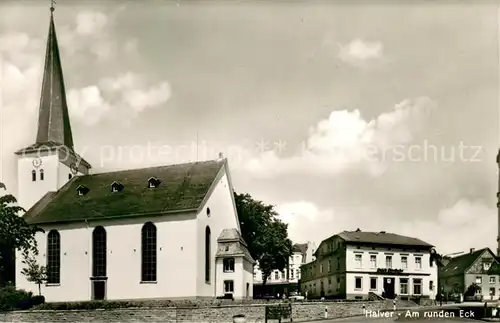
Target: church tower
{"points": [[51, 161]]}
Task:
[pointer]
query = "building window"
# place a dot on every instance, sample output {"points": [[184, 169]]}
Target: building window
{"points": [[208, 252], [486, 265], [388, 262], [321, 268], [33, 175], [373, 261], [403, 283], [431, 285], [329, 265], [492, 291], [358, 260], [292, 274], [418, 262], [70, 176], [53, 257], [228, 264], [338, 263], [479, 280], [358, 283], [492, 280], [373, 283], [99, 252], [417, 286], [148, 252], [228, 286], [276, 275], [404, 262], [41, 174]]}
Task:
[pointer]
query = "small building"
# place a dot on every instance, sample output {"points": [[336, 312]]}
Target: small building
{"points": [[479, 268], [284, 281], [362, 265]]}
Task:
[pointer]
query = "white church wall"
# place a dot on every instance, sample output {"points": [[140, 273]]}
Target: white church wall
{"points": [[176, 260], [222, 216]]}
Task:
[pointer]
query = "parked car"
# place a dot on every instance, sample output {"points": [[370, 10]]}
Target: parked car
{"points": [[296, 297]]}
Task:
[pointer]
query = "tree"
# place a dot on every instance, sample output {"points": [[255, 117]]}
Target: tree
{"points": [[472, 290], [15, 233], [33, 271], [265, 234]]}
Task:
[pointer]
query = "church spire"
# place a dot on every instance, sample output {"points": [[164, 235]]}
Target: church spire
{"points": [[53, 117]]}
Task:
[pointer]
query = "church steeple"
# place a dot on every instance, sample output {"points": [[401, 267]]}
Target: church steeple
{"points": [[53, 118]]}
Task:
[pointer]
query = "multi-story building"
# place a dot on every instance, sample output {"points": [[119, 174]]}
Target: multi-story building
{"points": [[287, 280], [479, 267], [357, 265]]}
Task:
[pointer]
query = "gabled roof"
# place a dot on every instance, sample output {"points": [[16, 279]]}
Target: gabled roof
{"points": [[184, 188], [458, 265], [382, 238]]}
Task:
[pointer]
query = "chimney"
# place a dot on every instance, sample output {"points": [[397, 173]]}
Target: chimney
{"points": [[472, 250], [221, 155], [358, 230]]}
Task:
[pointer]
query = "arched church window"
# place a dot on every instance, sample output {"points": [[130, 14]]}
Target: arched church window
{"points": [[99, 252], [53, 257], [33, 175], [148, 252], [207, 254], [41, 174]]}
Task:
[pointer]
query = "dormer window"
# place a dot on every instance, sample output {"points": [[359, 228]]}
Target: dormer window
{"points": [[33, 175], [82, 190], [116, 187], [41, 174], [153, 182]]}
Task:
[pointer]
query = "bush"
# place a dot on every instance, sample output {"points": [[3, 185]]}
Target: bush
{"points": [[12, 299]]}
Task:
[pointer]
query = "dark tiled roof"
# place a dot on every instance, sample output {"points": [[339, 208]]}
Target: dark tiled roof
{"points": [[383, 238], [183, 187], [458, 265]]}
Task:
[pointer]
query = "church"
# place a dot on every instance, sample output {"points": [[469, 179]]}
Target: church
{"points": [[167, 232]]}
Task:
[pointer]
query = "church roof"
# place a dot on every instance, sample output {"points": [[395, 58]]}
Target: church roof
{"points": [[181, 188]]}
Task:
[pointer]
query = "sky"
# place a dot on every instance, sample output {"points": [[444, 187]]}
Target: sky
{"points": [[376, 115]]}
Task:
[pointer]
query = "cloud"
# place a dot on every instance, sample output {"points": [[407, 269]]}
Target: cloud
{"points": [[93, 33], [359, 52], [90, 22], [463, 225], [125, 95], [346, 141]]}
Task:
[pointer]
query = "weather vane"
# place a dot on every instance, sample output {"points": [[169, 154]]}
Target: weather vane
{"points": [[52, 3]]}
